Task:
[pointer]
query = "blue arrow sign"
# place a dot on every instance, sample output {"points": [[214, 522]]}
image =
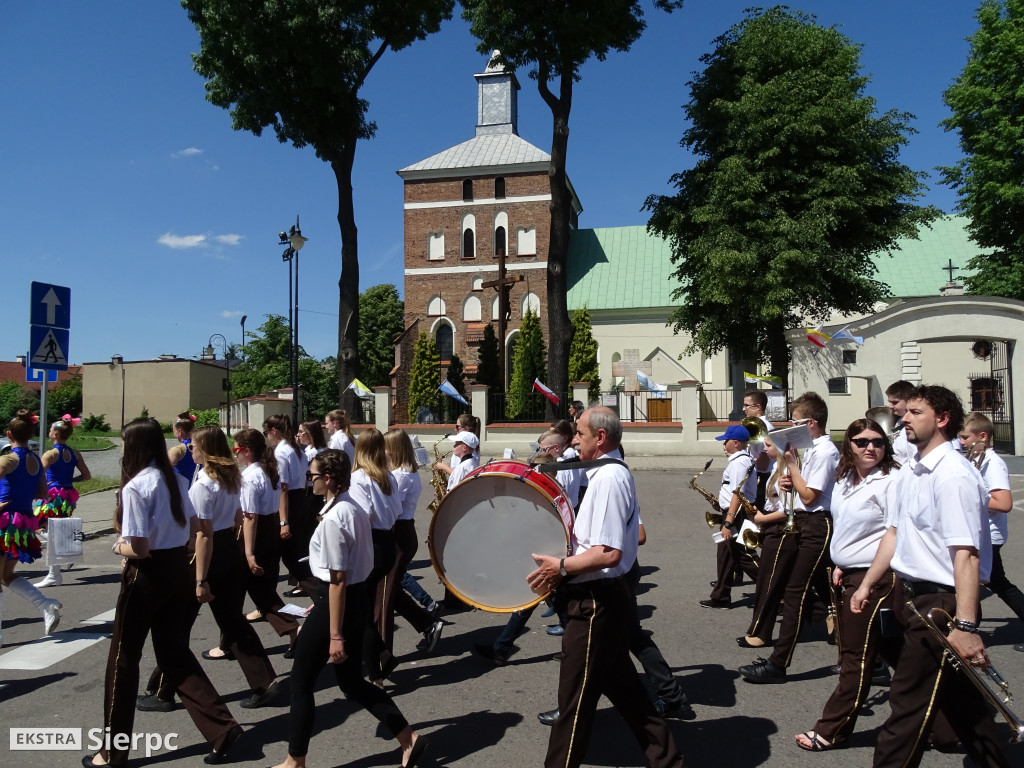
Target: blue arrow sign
{"points": [[48, 348], [50, 305]]}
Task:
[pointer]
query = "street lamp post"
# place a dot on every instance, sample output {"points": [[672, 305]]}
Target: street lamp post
{"points": [[244, 318], [294, 240], [119, 360], [227, 368]]}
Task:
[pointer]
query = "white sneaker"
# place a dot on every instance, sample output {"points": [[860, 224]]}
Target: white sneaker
{"points": [[52, 579], [51, 616]]}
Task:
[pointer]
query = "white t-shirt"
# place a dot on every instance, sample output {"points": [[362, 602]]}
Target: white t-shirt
{"points": [[291, 466], [996, 478], [340, 442], [735, 476], [819, 472], [571, 453], [213, 502], [342, 542], [382, 509], [410, 486], [942, 503], [146, 510], [465, 466], [902, 448], [608, 516], [258, 496], [861, 513], [570, 479]]}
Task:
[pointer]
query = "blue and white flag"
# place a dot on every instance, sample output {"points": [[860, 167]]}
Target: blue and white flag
{"points": [[649, 383], [449, 389], [845, 335]]}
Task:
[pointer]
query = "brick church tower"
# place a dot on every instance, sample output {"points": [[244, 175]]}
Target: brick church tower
{"points": [[468, 210]]}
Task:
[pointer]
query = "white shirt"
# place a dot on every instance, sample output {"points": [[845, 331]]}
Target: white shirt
{"points": [[571, 453], [342, 542], [458, 474], [819, 472], [409, 489], [861, 513], [146, 510], [735, 476], [213, 502], [340, 442], [291, 466], [258, 495], [608, 516], [311, 451], [569, 479], [367, 495], [902, 448], [996, 478], [942, 503]]}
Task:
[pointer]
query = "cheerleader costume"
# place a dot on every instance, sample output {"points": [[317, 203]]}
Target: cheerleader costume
{"points": [[62, 498], [18, 524]]}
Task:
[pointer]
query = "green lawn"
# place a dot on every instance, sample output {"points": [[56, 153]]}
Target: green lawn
{"points": [[96, 484]]}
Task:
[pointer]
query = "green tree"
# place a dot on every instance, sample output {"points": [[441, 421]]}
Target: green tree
{"points": [[457, 377], [298, 68], [528, 363], [425, 377], [795, 188], [987, 101], [267, 353], [65, 398], [319, 387], [556, 39], [583, 354], [13, 397], [381, 319], [487, 372]]}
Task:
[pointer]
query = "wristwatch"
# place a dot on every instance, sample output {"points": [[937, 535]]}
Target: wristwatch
{"points": [[727, 524], [200, 582], [561, 568], [284, 523]]}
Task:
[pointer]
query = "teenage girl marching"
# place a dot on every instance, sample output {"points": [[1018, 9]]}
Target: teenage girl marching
{"points": [[181, 454]]}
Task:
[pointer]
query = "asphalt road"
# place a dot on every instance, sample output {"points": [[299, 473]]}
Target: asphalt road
{"points": [[477, 716]]}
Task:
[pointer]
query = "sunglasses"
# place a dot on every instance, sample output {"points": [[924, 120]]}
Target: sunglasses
{"points": [[190, 446], [864, 442], [239, 448], [311, 475]]}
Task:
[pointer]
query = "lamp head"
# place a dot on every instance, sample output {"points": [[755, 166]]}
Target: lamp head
{"points": [[283, 237], [244, 318]]}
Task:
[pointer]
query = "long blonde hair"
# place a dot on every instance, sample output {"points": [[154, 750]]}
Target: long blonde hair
{"points": [[220, 465], [371, 457], [399, 449]]}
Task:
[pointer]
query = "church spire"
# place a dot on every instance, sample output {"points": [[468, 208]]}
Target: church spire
{"points": [[497, 109]]}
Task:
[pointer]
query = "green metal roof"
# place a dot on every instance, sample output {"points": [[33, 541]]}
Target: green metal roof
{"points": [[626, 268]]}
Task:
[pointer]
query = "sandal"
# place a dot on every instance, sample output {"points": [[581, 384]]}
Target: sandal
{"points": [[818, 744]]}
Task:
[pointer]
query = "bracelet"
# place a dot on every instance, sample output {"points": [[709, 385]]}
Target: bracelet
{"points": [[337, 638], [971, 627]]}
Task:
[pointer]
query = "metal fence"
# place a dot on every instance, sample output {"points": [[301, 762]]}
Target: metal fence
{"points": [[715, 404], [531, 408]]}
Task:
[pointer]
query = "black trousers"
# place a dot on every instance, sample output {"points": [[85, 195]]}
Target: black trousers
{"points": [[404, 535], [383, 560], [641, 644], [296, 548], [731, 554], [596, 661], [156, 595], [312, 652], [1009, 593], [263, 589], [923, 684]]}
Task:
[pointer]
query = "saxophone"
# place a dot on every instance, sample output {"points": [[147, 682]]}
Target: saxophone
{"points": [[437, 478], [711, 518]]}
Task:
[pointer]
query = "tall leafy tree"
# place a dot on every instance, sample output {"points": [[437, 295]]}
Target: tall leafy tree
{"points": [[796, 185], [425, 377], [555, 38], [987, 101], [487, 371], [528, 363], [297, 66], [66, 397], [583, 354], [267, 353], [381, 318]]}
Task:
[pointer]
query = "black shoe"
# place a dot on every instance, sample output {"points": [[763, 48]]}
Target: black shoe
{"points": [[716, 603], [296, 592], [881, 675], [150, 702], [228, 656], [557, 656], [835, 669], [485, 651], [763, 671], [1019, 647], [257, 700], [432, 635], [290, 653], [681, 711], [549, 717], [742, 642], [220, 754]]}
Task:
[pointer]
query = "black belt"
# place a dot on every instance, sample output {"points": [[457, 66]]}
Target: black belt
{"points": [[915, 588], [580, 587]]}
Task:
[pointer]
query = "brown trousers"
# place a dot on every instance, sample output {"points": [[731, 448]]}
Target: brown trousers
{"points": [[731, 554], [596, 661], [778, 552], [156, 594]]}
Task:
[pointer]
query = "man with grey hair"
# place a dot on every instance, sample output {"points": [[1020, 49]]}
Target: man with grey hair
{"points": [[595, 649]]}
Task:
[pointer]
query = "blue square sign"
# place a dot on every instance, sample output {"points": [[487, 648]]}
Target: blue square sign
{"points": [[48, 348], [51, 306]]}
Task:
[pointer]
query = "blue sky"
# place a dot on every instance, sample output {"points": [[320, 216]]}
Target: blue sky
{"points": [[122, 182]]}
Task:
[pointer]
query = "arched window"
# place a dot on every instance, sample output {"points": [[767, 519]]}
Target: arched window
{"points": [[436, 307], [499, 187], [530, 301], [478, 283], [471, 310], [445, 341], [467, 190], [500, 233], [469, 236]]}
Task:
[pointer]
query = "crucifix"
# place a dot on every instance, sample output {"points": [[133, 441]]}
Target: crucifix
{"points": [[628, 366], [503, 285], [949, 268]]}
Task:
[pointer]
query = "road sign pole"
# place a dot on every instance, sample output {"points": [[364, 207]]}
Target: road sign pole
{"points": [[43, 431]]}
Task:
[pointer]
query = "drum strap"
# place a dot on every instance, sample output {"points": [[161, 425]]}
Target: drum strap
{"points": [[554, 467]]}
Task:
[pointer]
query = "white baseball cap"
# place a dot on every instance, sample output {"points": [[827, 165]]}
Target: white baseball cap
{"points": [[467, 438]]}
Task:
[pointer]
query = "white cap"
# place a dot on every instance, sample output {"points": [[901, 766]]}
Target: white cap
{"points": [[468, 438]]}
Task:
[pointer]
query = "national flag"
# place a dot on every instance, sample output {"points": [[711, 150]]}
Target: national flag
{"points": [[845, 335], [449, 389], [359, 388], [753, 378], [817, 337], [545, 391], [649, 383]]}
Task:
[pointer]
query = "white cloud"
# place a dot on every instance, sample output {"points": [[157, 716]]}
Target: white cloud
{"points": [[187, 152], [181, 241], [228, 239], [230, 313]]}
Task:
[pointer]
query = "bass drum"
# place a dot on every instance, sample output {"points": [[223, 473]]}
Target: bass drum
{"points": [[487, 528]]}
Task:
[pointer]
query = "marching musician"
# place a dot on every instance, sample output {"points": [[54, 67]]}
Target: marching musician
{"points": [[755, 401], [940, 546], [897, 395], [466, 445], [738, 475], [813, 484]]}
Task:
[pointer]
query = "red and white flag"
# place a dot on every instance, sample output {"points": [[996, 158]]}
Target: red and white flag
{"points": [[545, 391]]}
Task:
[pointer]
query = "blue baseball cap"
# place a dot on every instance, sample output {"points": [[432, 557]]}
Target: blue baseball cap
{"points": [[735, 432]]}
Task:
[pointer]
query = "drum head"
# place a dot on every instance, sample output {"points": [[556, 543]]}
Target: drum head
{"points": [[483, 535]]}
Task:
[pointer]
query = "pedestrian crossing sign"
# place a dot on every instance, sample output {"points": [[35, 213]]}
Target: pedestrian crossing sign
{"points": [[49, 348]]}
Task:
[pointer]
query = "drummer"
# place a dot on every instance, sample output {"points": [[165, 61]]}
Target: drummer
{"points": [[466, 444]]}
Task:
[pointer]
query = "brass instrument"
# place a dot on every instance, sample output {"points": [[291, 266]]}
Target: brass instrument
{"points": [[975, 452], [437, 478], [790, 507], [882, 415], [711, 518], [750, 534], [835, 603], [987, 680], [756, 428]]}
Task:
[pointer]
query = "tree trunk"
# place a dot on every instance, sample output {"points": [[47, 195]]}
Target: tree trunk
{"points": [[348, 283], [559, 326], [778, 351]]}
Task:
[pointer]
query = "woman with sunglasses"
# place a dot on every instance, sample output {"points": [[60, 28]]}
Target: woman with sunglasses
{"points": [[293, 519], [341, 555], [862, 501]]}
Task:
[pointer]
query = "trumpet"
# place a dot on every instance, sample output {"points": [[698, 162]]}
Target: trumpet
{"points": [[712, 519], [790, 506], [756, 428], [987, 680]]}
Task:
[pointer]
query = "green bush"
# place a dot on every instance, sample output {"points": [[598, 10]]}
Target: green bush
{"points": [[93, 423], [208, 418]]}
